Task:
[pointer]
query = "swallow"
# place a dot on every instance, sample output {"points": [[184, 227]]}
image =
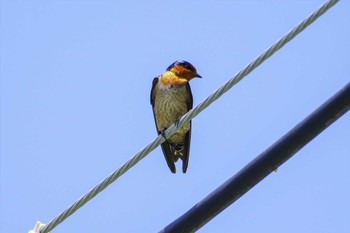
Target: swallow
{"points": [[171, 98]]}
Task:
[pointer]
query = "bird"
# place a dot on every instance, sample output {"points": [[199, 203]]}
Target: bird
{"points": [[171, 98]]}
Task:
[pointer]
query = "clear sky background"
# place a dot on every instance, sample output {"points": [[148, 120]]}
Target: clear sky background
{"points": [[75, 84]]}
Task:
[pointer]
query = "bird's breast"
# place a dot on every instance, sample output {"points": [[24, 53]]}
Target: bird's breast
{"points": [[170, 104]]}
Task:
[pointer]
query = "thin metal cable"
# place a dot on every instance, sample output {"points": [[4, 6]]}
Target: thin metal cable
{"points": [[189, 116]]}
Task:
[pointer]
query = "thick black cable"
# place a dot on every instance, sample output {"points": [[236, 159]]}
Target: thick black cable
{"points": [[263, 164]]}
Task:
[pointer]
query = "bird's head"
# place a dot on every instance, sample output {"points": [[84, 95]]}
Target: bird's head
{"points": [[184, 69]]}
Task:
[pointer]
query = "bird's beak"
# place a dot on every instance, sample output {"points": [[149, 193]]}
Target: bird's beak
{"points": [[197, 75]]}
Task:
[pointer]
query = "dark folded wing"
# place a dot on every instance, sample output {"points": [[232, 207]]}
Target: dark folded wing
{"points": [[168, 154], [187, 142]]}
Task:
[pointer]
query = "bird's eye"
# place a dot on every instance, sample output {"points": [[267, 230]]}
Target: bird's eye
{"points": [[189, 66]]}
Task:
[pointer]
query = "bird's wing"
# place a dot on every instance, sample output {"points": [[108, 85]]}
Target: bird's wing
{"points": [[168, 154], [152, 95], [187, 142], [189, 100]]}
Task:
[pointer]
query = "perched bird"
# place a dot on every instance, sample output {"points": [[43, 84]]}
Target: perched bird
{"points": [[171, 98]]}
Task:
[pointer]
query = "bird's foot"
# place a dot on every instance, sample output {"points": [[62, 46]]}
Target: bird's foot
{"points": [[177, 122], [163, 134]]}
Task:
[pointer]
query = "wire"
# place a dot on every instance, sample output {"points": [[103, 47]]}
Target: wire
{"points": [[188, 116], [261, 166]]}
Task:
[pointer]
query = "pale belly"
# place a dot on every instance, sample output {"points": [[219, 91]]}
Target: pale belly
{"points": [[169, 106]]}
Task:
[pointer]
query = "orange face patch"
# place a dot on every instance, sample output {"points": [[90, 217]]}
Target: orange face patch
{"points": [[183, 72]]}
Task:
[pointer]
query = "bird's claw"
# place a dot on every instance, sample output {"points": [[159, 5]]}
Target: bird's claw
{"points": [[177, 122], [163, 134]]}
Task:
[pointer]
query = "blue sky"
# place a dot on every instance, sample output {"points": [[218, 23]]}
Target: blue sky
{"points": [[75, 83]]}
